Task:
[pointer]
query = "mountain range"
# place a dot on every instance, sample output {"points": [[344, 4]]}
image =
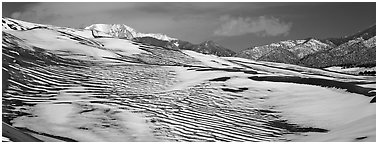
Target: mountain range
{"points": [[350, 51], [124, 31]]}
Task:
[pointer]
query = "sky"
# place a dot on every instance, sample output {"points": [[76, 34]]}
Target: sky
{"points": [[236, 26]]}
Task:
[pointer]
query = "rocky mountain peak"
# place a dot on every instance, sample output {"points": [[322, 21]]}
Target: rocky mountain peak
{"points": [[124, 31], [116, 30]]}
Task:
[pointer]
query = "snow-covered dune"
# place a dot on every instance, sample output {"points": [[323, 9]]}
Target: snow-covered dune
{"points": [[66, 85]]}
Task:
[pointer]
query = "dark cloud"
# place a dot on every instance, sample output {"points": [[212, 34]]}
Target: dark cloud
{"points": [[10, 7]]}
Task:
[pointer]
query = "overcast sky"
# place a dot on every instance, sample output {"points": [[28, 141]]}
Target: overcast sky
{"points": [[236, 26]]}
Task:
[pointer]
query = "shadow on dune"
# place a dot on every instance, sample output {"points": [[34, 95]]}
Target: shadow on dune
{"points": [[318, 82]]}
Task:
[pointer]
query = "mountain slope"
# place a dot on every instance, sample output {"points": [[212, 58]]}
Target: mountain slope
{"points": [[357, 52], [210, 47], [207, 47], [365, 34], [279, 55], [290, 50], [354, 50], [310, 46]]}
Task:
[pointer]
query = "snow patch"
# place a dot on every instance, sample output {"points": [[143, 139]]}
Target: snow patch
{"points": [[211, 60], [125, 46], [71, 121], [312, 105], [57, 113]]}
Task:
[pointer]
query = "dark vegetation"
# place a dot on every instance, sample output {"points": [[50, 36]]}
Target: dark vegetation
{"points": [[367, 73]]}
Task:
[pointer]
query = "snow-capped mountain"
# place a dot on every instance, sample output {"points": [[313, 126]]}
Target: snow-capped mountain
{"points": [[354, 53], [313, 52], [292, 49], [124, 31], [357, 50], [115, 30]]}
